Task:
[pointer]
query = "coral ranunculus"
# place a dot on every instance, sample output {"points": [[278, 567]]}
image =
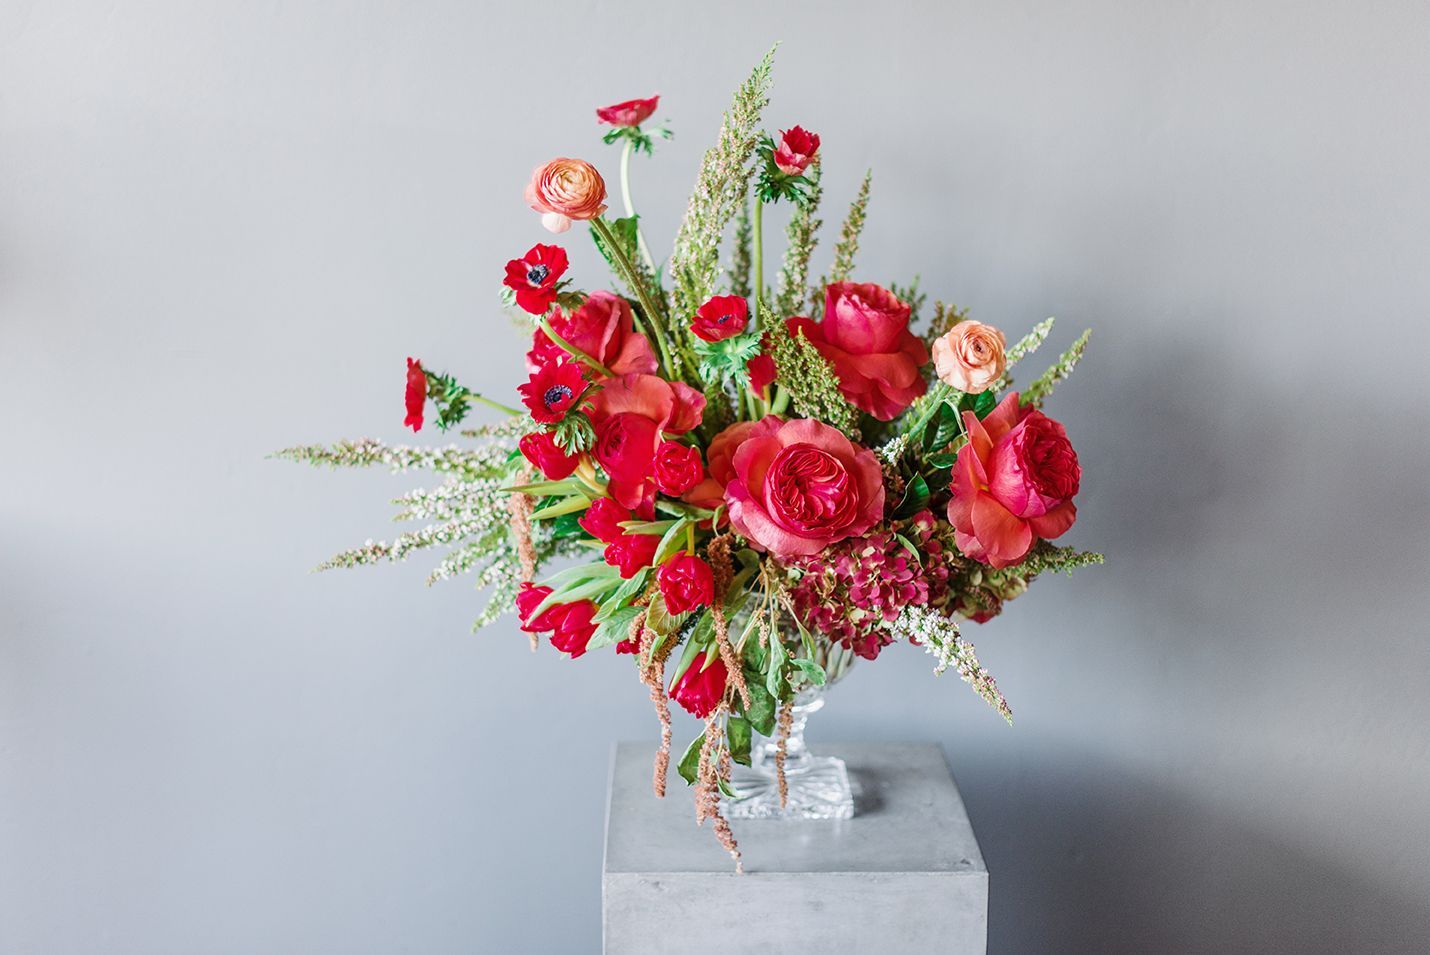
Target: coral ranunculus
{"points": [[1013, 482], [632, 112], [552, 391], [865, 334], [541, 449], [566, 189], [533, 277], [416, 397], [699, 691], [801, 485], [604, 327], [796, 150], [686, 582], [970, 356], [722, 317]]}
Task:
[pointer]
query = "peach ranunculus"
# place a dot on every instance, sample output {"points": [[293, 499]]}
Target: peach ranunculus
{"points": [[970, 356], [566, 189], [799, 486], [1013, 482]]}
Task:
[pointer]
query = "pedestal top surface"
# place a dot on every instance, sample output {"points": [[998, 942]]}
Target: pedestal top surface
{"points": [[908, 817]]}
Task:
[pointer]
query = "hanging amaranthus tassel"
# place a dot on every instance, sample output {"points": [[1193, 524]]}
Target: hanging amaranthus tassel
{"points": [[520, 506], [653, 675], [713, 767], [781, 749]]}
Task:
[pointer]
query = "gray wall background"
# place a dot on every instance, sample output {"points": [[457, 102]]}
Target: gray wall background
{"points": [[223, 226]]}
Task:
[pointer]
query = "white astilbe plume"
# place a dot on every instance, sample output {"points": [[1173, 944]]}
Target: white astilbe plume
{"points": [[939, 636]]}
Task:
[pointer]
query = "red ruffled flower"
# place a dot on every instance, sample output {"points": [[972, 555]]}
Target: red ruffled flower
{"points": [[632, 112], [686, 582], [677, 468], [604, 328], [533, 277], [796, 150], [625, 551], [416, 394], [699, 691], [631, 413], [722, 317], [571, 624], [528, 598], [552, 391], [541, 449]]}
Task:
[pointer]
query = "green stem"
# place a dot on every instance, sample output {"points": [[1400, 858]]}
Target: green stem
{"points": [[494, 405], [572, 350], [633, 279], [630, 206], [941, 392], [758, 253]]}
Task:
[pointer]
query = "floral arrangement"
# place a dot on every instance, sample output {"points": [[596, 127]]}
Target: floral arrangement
{"points": [[753, 478]]}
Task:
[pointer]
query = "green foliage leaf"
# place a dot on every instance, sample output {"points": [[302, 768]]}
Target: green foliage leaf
{"points": [[761, 711], [624, 232], [916, 498], [690, 761], [737, 731], [615, 627], [811, 671], [945, 426], [566, 526]]}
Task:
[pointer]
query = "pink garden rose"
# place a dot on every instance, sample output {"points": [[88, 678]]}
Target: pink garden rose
{"points": [[799, 486], [566, 189], [1013, 482], [970, 357], [865, 334], [604, 327]]}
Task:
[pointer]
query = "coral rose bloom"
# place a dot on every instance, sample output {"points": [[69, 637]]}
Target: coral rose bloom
{"points": [[1013, 482], [865, 333], [799, 486], [566, 189], [970, 357]]}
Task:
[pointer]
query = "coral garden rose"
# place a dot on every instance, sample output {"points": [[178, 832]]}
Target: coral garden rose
{"points": [[720, 468], [604, 327], [541, 449], [865, 334], [701, 687], [722, 317], [799, 486], [533, 277], [677, 468], [970, 356], [416, 396], [566, 189], [1013, 482], [796, 150], [552, 391], [632, 112], [686, 582]]}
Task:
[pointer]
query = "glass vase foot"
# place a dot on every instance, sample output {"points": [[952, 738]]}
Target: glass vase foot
{"points": [[816, 788]]}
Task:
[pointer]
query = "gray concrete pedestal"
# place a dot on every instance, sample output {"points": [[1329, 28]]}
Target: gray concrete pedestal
{"points": [[904, 875]]}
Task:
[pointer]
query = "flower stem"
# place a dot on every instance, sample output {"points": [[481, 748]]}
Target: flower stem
{"points": [[494, 405], [630, 206], [634, 280], [571, 349]]}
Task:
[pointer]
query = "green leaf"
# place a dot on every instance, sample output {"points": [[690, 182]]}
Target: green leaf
{"points": [[673, 540], [568, 505], [624, 231], [778, 656], [614, 628], [737, 731], [812, 671], [945, 426], [761, 711], [916, 498], [690, 761], [566, 526], [622, 596], [941, 461]]}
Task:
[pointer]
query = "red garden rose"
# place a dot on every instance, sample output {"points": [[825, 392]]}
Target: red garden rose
{"points": [[625, 551], [1013, 482], [686, 582], [865, 334], [533, 277], [801, 485], [631, 413], [677, 468], [699, 691], [722, 317], [604, 327], [632, 112], [796, 150], [416, 394], [541, 449], [552, 391]]}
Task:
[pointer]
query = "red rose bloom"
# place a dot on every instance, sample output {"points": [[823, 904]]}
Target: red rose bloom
{"points": [[603, 518], [630, 414], [541, 449], [632, 112], [799, 486], [762, 372], [552, 391], [626, 551], [533, 277], [1013, 482], [724, 316], [686, 582], [416, 394], [865, 334], [677, 468], [796, 150], [699, 691], [574, 628], [604, 328]]}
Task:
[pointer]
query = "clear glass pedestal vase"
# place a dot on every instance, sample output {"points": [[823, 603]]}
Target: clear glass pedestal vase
{"points": [[816, 787]]}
